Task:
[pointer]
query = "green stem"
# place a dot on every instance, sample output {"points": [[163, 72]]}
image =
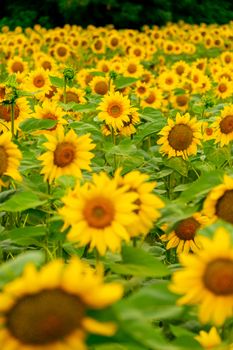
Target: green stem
{"points": [[229, 155], [13, 119], [64, 93]]}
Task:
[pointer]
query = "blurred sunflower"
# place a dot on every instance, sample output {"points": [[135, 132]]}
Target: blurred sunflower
{"points": [[209, 340], [47, 309], [114, 110], [37, 82], [18, 66], [223, 126], [100, 85], [21, 111], [132, 68], [99, 213], [224, 88], [180, 137], [61, 52], [66, 154], [206, 278]]}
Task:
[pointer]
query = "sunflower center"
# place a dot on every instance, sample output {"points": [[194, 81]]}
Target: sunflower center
{"points": [[224, 209], [39, 81], [61, 51], [114, 42], [72, 97], [52, 92], [169, 81], [98, 45], [115, 110], [64, 154], [209, 131], [227, 59], [101, 87], [99, 212], [45, 317], [2, 93], [226, 124], [5, 112], [141, 90], [17, 67], [222, 88], [47, 65], [132, 68], [180, 137], [218, 276], [151, 98], [186, 229], [3, 160], [181, 100], [179, 70]]}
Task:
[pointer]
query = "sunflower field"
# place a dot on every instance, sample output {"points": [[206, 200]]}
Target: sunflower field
{"points": [[116, 175]]}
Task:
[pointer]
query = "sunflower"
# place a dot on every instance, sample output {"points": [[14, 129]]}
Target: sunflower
{"points": [[18, 66], [10, 157], [98, 46], [66, 154], [180, 137], [47, 63], [103, 66], [153, 98], [85, 76], [113, 41], [114, 110], [38, 83], [49, 110], [100, 85], [181, 68], [224, 126], [128, 127], [21, 112], [141, 89], [209, 340], [72, 95], [3, 91], [206, 278], [207, 131], [47, 309], [217, 204], [168, 81], [180, 102], [61, 52], [226, 58], [184, 236], [99, 213], [132, 68], [148, 203], [224, 89]]}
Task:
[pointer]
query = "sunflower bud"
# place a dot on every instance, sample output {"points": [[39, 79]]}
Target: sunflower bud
{"points": [[69, 73]]}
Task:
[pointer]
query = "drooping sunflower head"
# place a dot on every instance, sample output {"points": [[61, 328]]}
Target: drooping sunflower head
{"points": [[180, 137], [52, 312], [114, 110], [224, 126], [206, 278], [67, 154]]}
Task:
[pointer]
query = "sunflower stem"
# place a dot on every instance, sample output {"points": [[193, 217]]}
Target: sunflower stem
{"points": [[64, 93], [13, 119], [229, 155]]}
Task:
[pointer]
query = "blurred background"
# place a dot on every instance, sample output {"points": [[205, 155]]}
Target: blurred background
{"points": [[122, 14]]}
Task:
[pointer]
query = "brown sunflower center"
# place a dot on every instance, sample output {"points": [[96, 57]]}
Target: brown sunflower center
{"points": [[209, 131], [45, 317], [141, 90], [180, 137], [98, 45], [64, 154], [222, 87], [132, 68], [114, 42], [5, 112], [101, 87], [39, 81], [181, 100], [169, 81], [47, 65], [115, 110], [99, 212], [218, 276], [224, 208], [137, 52], [3, 160], [72, 97], [179, 70], [227, 58], [52, 92], [61, 51], [17, 67], [186, 229], [2, 92], [226, 124], [151, 98]]}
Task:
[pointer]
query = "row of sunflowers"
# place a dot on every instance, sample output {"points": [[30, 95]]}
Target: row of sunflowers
{"points": [[116, 201]]}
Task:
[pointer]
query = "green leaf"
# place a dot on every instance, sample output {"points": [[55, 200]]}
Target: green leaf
{"points": [[76, 107], [6, 195], [21, 201], [121, 82], [57, 82], [153, 115], [33, 124], [138, 262], [13, 268], [27, 231], [178, 164]]}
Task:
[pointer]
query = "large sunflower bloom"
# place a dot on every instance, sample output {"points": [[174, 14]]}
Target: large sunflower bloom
{"points": [[180, 137], [114, 110], [10, 157], [67, 154], [218, 203], [99, 213], [47, 309], [206, 278]]}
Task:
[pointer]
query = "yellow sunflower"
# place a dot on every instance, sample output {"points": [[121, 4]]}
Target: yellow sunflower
{"points": [[21, 111], [98, 46], [3, 91], [49, 110], [181, 137], [38, 83], [224, 89], [148, 202], [209, 340], [101, 85], [114, 110], [47, 309], [206, 278], [72, 95], [128, 127], [99, 213], [181, 68], [223, 126], [184, 236], [180, 102], [66, 154], [153, 98], [218, 203], [132, 68], [168, 80], [10, 157], [18, 66], [61, 52]]}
